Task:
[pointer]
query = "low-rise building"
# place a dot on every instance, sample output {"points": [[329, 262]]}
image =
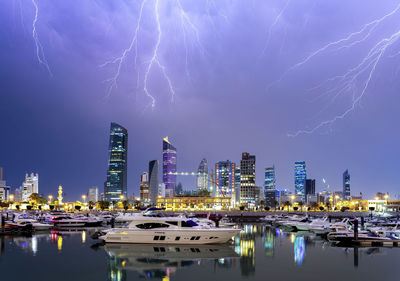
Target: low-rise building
{"points": [[206, 203]]}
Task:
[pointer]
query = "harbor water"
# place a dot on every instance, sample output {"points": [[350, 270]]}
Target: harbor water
{"points": [[260, 252]]}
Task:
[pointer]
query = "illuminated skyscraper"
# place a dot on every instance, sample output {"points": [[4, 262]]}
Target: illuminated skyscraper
{"points": [[248, 179], [300, 179], [116, 182], [270, 187], [93, 195], [237, 184], [153, 181], [225, 180], [346, 185], [169, 166], [30, 186], [202, 176], [144, 192]]}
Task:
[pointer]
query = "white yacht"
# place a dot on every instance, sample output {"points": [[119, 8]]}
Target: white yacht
{"points": [[168, 230]]}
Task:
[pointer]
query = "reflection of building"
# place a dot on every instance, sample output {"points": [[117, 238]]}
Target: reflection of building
{"points": [[300, 179], [116, 271], [194, 203], [93, 195], [30, 186], [169, 167], [346, 185], [202, 176], [144, 188], [248, 179], [299, 249], [225, 179], [116, 182], [269, 242], [245, 247], [153, 181]]}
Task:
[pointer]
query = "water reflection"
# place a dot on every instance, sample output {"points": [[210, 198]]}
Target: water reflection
{"points": [[299, 249], [161, 261]]}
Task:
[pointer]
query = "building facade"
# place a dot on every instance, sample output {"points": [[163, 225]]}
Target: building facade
{"points": [[270, 187], [144, 190], [225, 179], [300, 176], [4, 189], [93, 195], [310, 189], [202, 176], [115, 185], [153, 181], [346, 185], [169, 167], [248, 191], [30, 186]]}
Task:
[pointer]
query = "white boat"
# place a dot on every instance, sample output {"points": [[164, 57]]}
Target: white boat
{"points": [[168, 230], [67, 221]]}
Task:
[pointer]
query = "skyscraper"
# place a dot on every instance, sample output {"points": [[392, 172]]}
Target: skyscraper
{"points": [[153, 181], [300, 179], [225, 179], [237, 184], [270, 187], [310, 187], [116, 182], [346, 185], [4, 189], [169, 167], [30, 186], [93, 195], [144, 192], [202, 176], [248, 179]]}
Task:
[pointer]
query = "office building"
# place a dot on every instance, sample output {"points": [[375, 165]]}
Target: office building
{"points": [[93, 195], [237, 185], [115, 185], [153, 181], [4, 189], [30, 186], [202, 176], [346, 185], [300, 179], [248, 180], [169, 167], [225, 179], [270, 187], [144, 190], [310, 190]]}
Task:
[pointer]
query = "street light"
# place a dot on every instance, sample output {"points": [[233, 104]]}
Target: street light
{"points": [[84, 198], [12, 198], [121, 197], [50, 198], [386, 196]]}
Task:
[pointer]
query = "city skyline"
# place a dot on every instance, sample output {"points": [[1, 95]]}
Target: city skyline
{"points": [[230, 97]]}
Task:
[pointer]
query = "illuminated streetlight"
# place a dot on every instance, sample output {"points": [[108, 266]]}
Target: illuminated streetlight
{"points": [[84, 198], [121, 197], [12, 198], [50, 198]]}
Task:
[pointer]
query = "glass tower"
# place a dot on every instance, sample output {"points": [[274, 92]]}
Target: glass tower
{"points": [[300, 179], [346, 185], [153, 181], [116, 183], [202, 176], [248, 179], [169, 167], [270, 187], [225, 179]]}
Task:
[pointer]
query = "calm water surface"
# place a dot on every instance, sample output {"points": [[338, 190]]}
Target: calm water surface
{"points": [[258, 253]]}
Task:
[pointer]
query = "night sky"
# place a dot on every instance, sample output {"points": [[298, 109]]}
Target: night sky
{"points": [[234, 88]]}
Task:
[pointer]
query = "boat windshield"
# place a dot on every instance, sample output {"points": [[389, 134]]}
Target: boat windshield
{"points": [[189, 223]]}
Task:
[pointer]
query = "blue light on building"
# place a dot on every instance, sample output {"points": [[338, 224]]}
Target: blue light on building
{"points": [[300, 179]]}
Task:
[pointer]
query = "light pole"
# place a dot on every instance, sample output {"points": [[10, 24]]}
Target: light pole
{"points": [[50, 198], [84, 198], [11, 198]]}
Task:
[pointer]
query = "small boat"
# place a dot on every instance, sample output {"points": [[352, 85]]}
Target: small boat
{"points": [[67, 221]]}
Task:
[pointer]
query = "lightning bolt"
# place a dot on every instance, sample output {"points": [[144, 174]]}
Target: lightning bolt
{"points": [[39, 48], [346, 83], [276, 21], [368, 64]]}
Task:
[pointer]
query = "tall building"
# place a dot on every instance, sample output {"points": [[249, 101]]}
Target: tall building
{"points": [[310, 191], [248, 191], [237, 185], [300, 179], [225, 179], [169, 167], [4, 189], [144, 190], [270, 187], [116, 182], [202, 176], [30, 186], [93, 195], [346, 185], [153, 181]]}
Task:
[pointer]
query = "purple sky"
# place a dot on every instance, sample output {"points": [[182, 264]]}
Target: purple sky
{"points": [[229, 96]]}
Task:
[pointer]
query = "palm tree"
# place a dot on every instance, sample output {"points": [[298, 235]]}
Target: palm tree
{"points": [[287, 204], [301, 204]]}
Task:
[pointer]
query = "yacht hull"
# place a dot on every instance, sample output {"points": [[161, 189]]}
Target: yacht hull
{"points": [[170, 236]]}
